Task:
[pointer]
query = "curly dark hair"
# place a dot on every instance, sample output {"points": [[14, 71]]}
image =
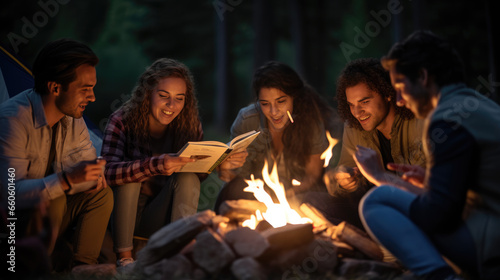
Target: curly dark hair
{"points": [[311, 109], [370, 72], [186, 126]]}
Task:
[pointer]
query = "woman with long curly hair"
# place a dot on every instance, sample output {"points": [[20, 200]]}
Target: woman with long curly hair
{"points": [[140, 139], [294, 147]]}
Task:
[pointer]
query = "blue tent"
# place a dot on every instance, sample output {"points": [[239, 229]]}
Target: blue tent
{"points": [[16, 76]]}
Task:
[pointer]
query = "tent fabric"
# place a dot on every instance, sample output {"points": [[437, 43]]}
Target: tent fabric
{"points": [[16, 77]]}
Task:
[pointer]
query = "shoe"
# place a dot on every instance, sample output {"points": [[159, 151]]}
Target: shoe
{"points": [[124, 262]]}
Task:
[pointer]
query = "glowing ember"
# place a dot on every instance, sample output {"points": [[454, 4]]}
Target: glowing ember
{"points": [[277, 214], [327, 154], [295, 183]]}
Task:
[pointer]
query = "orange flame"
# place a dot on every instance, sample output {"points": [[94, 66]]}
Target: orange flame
{"points": [[327, 154], [277, 214]]}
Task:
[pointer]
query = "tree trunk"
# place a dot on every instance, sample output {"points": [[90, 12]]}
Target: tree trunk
{"points": [[263, 26], [221, 66], [298, 35]]}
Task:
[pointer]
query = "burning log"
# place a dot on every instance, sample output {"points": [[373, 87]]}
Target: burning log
{"points": [[345, 250], [223, 228], [211, 252], [241, 209], [319, 221], [289, 236], [358, 239], [247, 242], [263, 225], [170, 239]]}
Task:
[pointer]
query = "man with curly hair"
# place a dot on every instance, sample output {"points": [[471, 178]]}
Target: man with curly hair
{"points": [[367, 105]]}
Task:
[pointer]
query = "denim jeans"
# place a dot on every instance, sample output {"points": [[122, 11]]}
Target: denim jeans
{"points": [[137, 214], [385, 213]]}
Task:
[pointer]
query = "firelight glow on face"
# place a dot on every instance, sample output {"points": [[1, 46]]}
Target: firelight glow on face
{"points": [[275, 104], [167, 100]]}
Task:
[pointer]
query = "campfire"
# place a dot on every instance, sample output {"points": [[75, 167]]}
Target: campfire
{"points": [[277, 214], [260, 239]]}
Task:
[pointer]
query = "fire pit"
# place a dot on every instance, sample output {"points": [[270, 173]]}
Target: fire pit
{"points": [[259, 240]]}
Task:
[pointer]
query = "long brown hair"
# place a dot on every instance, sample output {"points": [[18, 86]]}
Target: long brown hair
{"points": [[185, 127], [297, 138]]}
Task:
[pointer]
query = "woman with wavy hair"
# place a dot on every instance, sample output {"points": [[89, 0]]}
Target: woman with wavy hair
{"points": [[140, 140], [295, 147]]}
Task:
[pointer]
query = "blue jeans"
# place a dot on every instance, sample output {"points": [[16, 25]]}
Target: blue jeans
{"points": [[137, 214], [385, 213]]}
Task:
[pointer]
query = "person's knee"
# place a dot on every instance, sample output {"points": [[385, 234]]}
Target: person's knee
{"points": [[102, 200], [188, 181], [57, 209], [373, 198]]}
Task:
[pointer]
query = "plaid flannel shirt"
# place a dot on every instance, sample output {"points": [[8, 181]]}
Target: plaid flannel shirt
{"points": [[127, 162]]}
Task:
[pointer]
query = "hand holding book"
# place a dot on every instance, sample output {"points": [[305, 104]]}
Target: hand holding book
{"points": [[210, 154], [173, 163], [234, 161]]}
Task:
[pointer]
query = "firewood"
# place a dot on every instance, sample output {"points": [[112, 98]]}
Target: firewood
{"points": [[248, 269], [211, 252], [263, 225], [289, 236], [319, 221], [223, 228], [358, 239], [241, 209], [345, 250], [217, 220], [247, 242], [170, 239]]}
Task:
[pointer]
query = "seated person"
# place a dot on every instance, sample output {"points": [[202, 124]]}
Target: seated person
{"points": [[367, 105], [140, 139], [46, 155], [452, 209], [295, 147]]}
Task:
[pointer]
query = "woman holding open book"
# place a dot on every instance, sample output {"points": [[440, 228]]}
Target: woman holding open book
{"points": [[291, 117], [139, 144]]}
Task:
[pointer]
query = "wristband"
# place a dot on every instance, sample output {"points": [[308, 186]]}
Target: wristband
{"points": [[67, 181]]}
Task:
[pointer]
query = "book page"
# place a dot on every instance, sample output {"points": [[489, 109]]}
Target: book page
{"points": [[207, 156], [209, 143], [242, 141]]}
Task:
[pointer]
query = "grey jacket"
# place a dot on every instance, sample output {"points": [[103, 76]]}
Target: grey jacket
{"points": [[25, 140]]}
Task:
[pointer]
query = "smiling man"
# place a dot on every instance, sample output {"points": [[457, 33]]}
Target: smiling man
{"points": [[46, 144], [367, 105]]}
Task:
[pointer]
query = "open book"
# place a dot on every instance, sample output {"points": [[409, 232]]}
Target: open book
{"points": [[211, 153]]}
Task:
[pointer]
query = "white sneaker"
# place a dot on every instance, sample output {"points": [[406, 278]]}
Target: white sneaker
{"points": [[124, 262]]}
